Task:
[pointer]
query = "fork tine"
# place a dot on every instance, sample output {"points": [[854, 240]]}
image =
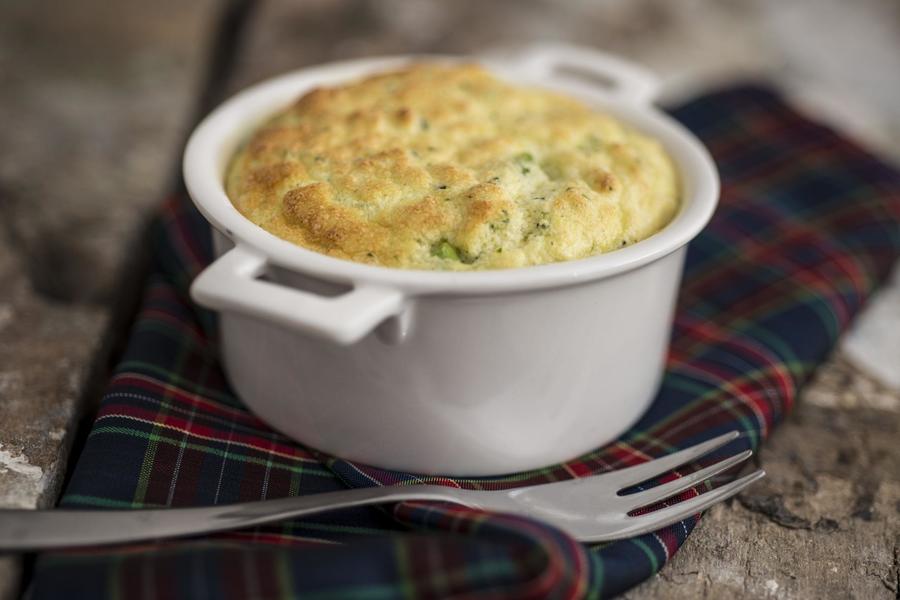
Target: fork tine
{"points": [[650, 469], [670, 488], [632, 526]]}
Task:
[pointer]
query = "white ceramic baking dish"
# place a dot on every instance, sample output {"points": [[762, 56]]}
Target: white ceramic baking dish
{"points": [[460, 373]]}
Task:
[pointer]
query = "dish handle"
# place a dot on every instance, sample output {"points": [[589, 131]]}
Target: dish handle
{"points": [[231, 283], [609, 74]]}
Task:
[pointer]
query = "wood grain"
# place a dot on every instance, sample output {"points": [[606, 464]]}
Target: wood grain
{"points": [[96, 96]]}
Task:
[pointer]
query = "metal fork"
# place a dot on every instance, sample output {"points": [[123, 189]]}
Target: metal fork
{"points": [[591, 509]]}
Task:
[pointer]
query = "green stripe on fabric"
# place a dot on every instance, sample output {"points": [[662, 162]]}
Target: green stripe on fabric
{"points": [[364, 592], [308, 468], [294, 486], [810, 298], [730, 405], [146, 471], [706, 393], [600, 576], [105, 502], [172, 331], [338, 528], [474, 572], [169, 377], [654, 562], [182, 445]]}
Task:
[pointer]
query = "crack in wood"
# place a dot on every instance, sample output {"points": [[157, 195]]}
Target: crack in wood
{"points": [[772, 507], [892, 581]]}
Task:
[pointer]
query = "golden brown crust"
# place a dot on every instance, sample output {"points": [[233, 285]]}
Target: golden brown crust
{"points": [[445, 167]]}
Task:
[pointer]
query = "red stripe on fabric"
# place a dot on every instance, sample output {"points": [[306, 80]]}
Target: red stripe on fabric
{"points": [[707, 331], [155, 386], [579, 469], [184, 327], [263, 445]]}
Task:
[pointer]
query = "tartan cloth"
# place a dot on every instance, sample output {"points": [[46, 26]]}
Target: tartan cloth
{"points": [[807, 227]]}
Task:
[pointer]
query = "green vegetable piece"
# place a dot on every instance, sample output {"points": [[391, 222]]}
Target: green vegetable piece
{"points": [[445, 250]]}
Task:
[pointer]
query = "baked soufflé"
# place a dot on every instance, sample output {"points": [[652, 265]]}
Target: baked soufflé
{"points": [[446, 167]]}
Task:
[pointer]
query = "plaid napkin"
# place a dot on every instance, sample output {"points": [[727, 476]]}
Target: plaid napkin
{"points": [[807, 228]]}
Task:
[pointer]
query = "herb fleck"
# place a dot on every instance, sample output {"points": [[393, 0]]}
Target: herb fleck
{"points": [[524, 157]]}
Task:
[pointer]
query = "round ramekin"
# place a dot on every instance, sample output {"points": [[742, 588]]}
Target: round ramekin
{"points": [[457, 373]]}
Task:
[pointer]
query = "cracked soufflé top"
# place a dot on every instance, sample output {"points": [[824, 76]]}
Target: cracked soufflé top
{"points": [[446, 167]]}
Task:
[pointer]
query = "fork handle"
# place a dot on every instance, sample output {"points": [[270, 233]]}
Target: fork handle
{"points": [[26, 530]]}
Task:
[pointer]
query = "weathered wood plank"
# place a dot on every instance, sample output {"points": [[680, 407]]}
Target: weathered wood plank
{"points": [[825, 523], [813, 48], [95, 98]]}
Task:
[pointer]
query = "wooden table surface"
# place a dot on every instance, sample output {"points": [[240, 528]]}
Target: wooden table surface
{"points": [[98, 96]]}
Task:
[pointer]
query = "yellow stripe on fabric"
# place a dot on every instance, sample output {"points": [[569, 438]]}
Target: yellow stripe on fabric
{"points": [[150, 452], [210, 438], [401, 560], [114, 579], [285, 576]]}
